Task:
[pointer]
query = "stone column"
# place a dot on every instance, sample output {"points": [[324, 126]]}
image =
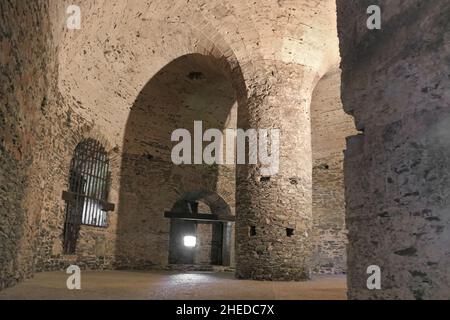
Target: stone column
{"points": [[396, 83], [274, 212]]}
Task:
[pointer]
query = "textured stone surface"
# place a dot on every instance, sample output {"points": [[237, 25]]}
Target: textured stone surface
{"points": [[150, 183], [396, 83], [64, 85], [136, 70], [329, 128], [24, 82], [284, 201], [235, 33], [39, 131]]}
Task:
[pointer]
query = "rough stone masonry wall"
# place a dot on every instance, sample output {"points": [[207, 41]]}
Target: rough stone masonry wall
{"points": [[123, 43], [95, 246], [39, 131], [268, 206], [190, 88], [92, 76], [208, 244], [25, 61], [396, 83], [203, 249], [329, 128], [62, 129], [15, 145]]}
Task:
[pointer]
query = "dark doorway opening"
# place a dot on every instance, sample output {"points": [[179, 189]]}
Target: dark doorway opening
{"points": [[200, 238]]}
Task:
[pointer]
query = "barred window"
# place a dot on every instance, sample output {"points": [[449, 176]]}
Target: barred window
{"points": [[88, 191]]}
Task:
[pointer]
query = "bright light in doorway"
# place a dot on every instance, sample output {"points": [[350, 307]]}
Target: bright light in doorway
{"points": [[190, 241]]}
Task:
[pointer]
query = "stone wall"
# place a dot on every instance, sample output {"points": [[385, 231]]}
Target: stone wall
{"points": [[38, 149], [190, 88], [39, 131], [204, 238], [63, 85], [25, 61], [209, 240], [95, 247], [274, 212], [395, 83], [330, 127], [122, 44]]}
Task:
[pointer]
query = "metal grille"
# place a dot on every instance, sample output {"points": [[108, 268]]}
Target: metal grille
{"points": [[88, 185]]}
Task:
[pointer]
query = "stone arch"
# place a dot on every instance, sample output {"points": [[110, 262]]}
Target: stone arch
{"points": [[128, 65], [165, 30], [213, 200], [189, 88], [106, 64]]}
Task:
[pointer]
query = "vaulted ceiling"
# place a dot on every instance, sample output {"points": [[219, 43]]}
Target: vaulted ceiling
{"points": [[122, 44]]}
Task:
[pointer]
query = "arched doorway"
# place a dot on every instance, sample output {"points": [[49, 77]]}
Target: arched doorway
{"points": [[201, 229], [190, 88]]}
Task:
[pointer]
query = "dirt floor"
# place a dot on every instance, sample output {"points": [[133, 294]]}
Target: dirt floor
{"points": [[174, 285]]}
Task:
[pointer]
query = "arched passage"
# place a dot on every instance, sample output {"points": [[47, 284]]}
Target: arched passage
{"points": [[192, 87], [205, 216]]}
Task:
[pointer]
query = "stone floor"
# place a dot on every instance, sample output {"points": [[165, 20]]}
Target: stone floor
{"points": [[172, 285]]}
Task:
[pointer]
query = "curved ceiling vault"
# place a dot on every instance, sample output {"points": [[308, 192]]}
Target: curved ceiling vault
{"points": [[122, 44]]}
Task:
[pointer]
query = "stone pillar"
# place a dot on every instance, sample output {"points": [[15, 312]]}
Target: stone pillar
{"points": [[396, 83], [274, 213]]}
